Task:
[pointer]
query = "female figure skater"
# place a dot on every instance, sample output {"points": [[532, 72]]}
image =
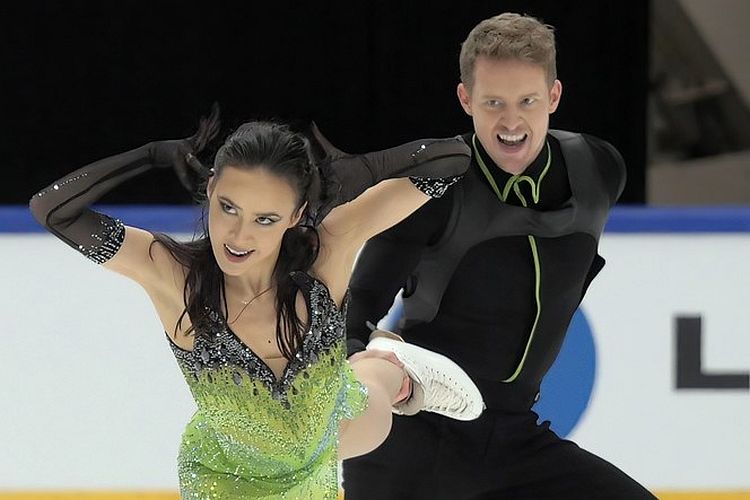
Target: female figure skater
{"points": [[255, 309]]}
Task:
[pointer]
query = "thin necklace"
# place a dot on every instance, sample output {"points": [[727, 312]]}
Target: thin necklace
{"points": [[248, 302]]}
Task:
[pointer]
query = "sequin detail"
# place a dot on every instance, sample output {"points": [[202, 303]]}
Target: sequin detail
{"points": [[435, 188], [107, 241], [58, 185], [256, 436]]}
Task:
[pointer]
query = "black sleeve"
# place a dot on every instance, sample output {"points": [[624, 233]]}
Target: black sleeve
{"points": [[596, 266], [63, 206], [384, 265], [612, 166], [345, 176]]}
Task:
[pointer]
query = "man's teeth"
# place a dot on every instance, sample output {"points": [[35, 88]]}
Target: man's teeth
{"points": [[511, 139], [236, 252]]}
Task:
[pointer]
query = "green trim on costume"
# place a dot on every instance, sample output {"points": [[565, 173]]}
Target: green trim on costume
{"points": [[536, 186], [513, 183], [537, 295], [486, 171]]}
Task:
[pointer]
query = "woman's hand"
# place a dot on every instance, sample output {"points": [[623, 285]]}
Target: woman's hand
{"points": [[181, 154]]}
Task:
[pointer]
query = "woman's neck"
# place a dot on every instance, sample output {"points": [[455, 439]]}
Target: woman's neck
{"points": [[248, 285], [257, 280]]}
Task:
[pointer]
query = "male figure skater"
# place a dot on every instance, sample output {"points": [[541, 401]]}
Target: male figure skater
{"points": [[492, 274]]}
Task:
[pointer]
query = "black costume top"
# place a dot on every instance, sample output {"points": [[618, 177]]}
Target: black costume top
{"points": [[489, 283]]}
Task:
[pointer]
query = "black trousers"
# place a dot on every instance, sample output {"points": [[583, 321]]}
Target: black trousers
{"points": [[498, 456]]}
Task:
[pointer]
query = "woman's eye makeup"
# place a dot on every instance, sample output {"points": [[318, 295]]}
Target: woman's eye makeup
{"points": [[265, 221], [226, 207]]}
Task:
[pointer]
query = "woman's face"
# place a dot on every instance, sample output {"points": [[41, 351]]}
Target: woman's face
{"points": [[249, 211]]}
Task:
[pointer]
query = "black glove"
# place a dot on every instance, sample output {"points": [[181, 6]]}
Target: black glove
{"points": [[182, 154]]}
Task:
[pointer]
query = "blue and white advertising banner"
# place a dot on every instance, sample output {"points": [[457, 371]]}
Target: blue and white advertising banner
{"points": [[654, 374]]}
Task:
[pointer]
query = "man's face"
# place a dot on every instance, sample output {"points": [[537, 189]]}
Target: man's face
{"points": [[510, 103]]}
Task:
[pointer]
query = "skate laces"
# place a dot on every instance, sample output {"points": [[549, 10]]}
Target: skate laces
{"points": [[443, 393]]}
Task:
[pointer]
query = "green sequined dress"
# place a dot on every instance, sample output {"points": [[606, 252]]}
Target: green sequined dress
{"points": [[256, 436]]}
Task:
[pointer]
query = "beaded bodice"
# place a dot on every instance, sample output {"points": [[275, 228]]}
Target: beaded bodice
{"points": [[274, 426]]}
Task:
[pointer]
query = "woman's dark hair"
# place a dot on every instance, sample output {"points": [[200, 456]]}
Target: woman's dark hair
{"points": [[275, 148]]}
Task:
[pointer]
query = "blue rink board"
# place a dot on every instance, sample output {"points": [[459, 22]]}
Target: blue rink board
{"points": [[623, 219]]}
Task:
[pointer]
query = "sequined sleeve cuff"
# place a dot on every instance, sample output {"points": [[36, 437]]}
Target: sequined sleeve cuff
{"points": [[105, 241], [434, 188]]}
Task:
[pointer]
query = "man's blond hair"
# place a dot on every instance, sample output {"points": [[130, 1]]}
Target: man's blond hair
{"points": [[509, 36]]}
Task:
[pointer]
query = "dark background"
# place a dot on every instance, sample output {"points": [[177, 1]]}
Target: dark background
{"points": [[83, 80]]}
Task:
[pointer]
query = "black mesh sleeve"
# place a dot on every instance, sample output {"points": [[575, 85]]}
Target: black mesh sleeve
{"points": [[346, 176], [63, 206]]}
